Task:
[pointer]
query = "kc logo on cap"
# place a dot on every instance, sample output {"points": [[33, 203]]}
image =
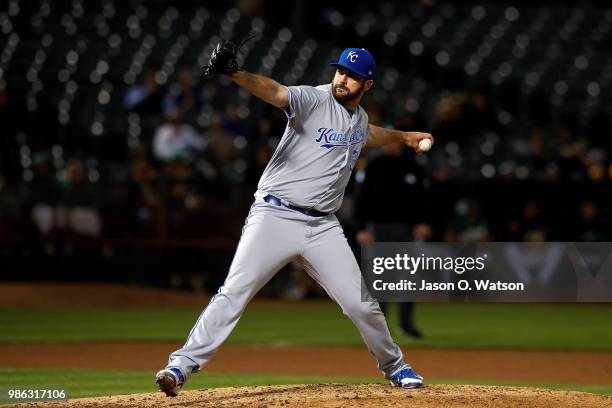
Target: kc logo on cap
{"points": [[357, 60]]}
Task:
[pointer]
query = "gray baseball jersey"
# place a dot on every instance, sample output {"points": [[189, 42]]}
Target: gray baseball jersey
{"points": [[314, 159], [310, 169]]}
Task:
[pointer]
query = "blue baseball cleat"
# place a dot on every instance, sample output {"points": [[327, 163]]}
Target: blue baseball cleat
{"points": [[170, 381], [406, 378]]}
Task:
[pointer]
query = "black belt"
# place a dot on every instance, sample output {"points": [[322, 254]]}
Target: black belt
{"points": [[277, 201]]}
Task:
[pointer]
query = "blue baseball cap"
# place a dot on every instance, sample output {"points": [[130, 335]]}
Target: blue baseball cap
{"points": [[358, 60]]}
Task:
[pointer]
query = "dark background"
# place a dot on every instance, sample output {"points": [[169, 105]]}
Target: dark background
{"points": [[515, 93]]}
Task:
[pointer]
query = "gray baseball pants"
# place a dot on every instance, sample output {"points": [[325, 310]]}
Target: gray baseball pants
{"points": [[273, 236]]}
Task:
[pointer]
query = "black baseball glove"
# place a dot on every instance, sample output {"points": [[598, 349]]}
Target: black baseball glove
{"points": [[223, 59]]}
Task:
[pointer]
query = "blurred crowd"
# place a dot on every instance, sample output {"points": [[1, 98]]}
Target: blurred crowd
{"points": [[192, 175], [179, 157]]}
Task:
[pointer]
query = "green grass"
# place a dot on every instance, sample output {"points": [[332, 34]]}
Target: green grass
{"points": [[88, 383], [542, 326]]}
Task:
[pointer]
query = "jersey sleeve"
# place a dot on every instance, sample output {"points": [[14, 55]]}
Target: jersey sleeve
{"points": [[302, 100], [366, 125]]}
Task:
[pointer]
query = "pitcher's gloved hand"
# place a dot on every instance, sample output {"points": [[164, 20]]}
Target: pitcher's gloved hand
{"points": [[223, 60]]}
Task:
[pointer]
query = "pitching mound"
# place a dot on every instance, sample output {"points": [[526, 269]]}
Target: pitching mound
{"points": [[352, 395]]}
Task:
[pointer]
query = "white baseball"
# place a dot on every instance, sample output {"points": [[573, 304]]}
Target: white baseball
{"points": [[424, 145]]}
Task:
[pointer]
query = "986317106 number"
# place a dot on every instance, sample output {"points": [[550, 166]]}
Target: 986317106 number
{"points": [[34, 394]]}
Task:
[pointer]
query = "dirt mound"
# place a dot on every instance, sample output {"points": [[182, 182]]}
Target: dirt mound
{"points": [[356, 395]]}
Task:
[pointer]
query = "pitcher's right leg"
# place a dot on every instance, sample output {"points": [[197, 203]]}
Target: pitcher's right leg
{"points": [[330, 261]]}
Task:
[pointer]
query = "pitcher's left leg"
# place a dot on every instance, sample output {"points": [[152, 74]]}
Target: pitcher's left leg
{"points": [[331, 263]]}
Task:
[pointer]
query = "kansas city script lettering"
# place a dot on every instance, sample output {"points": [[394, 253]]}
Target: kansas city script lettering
{"points": [[331, 139]]}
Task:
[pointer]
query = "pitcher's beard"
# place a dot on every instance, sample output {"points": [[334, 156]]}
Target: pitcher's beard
{"points": [[347, 97]]}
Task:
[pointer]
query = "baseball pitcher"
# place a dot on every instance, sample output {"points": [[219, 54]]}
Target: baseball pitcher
{"points": [[297, 195]]}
